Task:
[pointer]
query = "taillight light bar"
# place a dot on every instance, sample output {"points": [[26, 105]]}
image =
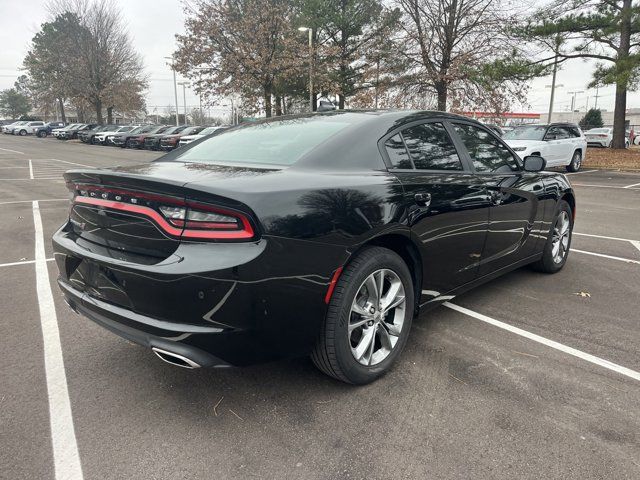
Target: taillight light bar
{"points": [[175, 216]]}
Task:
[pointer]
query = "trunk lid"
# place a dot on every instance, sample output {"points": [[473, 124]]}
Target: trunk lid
{"points": [[134, 211]]}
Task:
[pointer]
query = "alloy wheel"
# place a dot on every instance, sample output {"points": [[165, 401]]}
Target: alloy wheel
{"points": [[376, 317], [577, 160], [561, 235]]}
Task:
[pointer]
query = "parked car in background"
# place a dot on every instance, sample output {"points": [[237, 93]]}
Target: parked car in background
{"points": [[87, 136], [57, 131], [169, 142], [560, 144], [152, 142], [136, 135], [101, 137], [602, 137], [187, 139], [48, 128], [72, 133], [8, 129], [28, 128], [496, 128], [319, 234]]}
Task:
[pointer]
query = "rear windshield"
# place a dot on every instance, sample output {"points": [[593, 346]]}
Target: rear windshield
{"points": [[280, 142], [598, 130], [532, 132]]}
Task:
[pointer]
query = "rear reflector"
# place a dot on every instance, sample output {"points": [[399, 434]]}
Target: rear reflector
{"points": [[174, 216], [332, 285]]}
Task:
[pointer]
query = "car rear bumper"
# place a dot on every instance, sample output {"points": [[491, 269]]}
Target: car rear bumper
{"points": [[217, 304], [179, 339]]}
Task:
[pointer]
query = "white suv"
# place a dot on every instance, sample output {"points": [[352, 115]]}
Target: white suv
{"points": [[28, 128], [560, 144]]}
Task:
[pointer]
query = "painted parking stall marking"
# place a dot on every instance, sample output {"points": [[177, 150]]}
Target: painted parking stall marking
{"points": [[63, 439], [635, 243], [549, 343]]}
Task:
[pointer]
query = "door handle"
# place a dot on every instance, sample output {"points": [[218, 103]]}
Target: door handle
{"points": [[422, 199]]}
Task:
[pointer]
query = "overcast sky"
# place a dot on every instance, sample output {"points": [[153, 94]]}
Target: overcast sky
{"points": [[153, 24]]}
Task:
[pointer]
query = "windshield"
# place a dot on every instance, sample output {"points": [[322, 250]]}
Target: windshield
{"points": [[209, 130], [124, 129], [173, 130], [530, 132], [192, 130], [280, 142], [599, 130]]}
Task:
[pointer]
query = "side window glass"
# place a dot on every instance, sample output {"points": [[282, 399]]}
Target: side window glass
{"points": [[487, 152], [431, 148], [398, 153]]}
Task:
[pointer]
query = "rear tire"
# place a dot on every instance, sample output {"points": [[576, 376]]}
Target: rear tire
{"points": [[360, 339], [23, 133], [576, 162], [556, 249], [42, 134]]}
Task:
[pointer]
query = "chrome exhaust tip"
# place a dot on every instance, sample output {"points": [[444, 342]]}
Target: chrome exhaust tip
{"points": [[175, 359]]}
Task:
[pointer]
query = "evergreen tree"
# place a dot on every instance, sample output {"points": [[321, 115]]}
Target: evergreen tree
{"points": [[592, 119]]}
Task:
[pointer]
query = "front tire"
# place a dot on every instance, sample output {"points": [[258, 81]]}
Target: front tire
{"points": [[23, 133], [556, 249], [368, 319], [576, 162]]}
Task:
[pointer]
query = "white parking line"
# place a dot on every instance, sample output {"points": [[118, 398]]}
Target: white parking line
{"points": [[634, 185], [23, 262], [73, 163], [611, 257], [66, 458], [635, 243], [31, 201], [586, 171], [11, 151], [39, 178], [30, 169], [603, 186], [549, 343]]}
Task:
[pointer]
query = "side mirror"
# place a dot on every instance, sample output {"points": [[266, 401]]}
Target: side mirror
{"points": [[534, 163]]}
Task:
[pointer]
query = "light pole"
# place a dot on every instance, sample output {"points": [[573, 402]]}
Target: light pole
{"points": [[184, 99], [553, 87], [175, 89], [573, 101], [310, 30]]}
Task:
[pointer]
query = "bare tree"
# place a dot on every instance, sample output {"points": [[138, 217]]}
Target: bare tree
{"points": [[449, 44], [246, 47], [105, 63]]}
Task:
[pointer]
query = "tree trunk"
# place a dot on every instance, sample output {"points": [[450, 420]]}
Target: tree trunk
{"points": [[110, 115], [278, 106], [622, 80], [62, 114], [441, 90], [267, 99], [98, 106], [340, 101], [315, 101]]}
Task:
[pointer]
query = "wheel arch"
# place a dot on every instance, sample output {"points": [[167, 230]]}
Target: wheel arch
{"points": [[402, 245], [570, 198]]}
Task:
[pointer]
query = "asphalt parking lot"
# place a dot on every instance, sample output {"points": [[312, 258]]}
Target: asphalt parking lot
{"points": [[558, 396]]}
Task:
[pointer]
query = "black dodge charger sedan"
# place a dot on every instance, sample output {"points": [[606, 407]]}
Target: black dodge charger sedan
{"points": [[321, 234]]}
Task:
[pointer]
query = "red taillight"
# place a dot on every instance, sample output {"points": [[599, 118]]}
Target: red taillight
{"points": [[175, 216]]}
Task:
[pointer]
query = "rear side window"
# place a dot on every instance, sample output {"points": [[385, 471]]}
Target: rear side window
{"points": [[428, 147], [487, 152], [398, 152]]}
